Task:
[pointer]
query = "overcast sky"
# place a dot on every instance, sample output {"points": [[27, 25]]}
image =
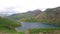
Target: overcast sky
{"points": [[26, 5]]}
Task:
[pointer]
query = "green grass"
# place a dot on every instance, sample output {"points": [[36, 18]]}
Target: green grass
{"points": [[8, 25], [31, 31], [43, 29], [4, 22], [37, 30], [32, 19], [10, 31]]}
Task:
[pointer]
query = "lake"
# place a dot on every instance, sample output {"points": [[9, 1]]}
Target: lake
{"points": [[30, 25]]}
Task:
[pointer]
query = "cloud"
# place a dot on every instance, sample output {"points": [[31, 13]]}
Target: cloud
{"points": [[25, 5]]}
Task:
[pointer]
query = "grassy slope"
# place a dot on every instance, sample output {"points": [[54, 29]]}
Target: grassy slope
{"points": [[28, 15], [7, 25], [20, 16], [7, 22]]}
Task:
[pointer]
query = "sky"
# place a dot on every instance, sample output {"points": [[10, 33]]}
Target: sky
{"points": [[21, 6]]}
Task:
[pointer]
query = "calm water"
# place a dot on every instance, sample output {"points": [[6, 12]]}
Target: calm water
{"points": [[26, 25]]}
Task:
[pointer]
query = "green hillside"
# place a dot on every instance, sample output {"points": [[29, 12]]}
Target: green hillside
{"points": [[28, 15], [7, 23]]}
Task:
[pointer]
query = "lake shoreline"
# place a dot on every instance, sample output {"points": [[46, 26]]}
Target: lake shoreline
{"points": [[31, 25]]}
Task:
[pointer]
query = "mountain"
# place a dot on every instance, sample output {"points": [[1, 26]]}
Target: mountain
{"points": [[28, 14], [50, 15]]}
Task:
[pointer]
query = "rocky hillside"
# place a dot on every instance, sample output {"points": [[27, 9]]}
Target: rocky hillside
{"points": [[50, 15]]}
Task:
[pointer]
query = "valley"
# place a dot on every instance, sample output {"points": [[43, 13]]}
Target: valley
{"points": [[32, 22]]}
